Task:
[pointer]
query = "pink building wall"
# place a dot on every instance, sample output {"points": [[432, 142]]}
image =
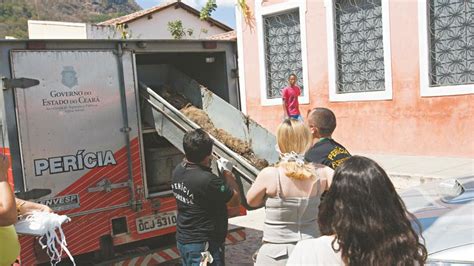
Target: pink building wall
{"points": [[406, 125]]}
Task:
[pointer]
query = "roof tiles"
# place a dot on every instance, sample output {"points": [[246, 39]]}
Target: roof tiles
{"points": [[149, 11]]}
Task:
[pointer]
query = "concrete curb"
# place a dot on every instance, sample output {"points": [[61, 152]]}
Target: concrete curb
{"points": [[404, 181]]}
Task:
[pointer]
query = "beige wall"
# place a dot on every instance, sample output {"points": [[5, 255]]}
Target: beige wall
{"points": [[142, 28], [408, 124], [56, 30], [40, 29], [157, 26]]}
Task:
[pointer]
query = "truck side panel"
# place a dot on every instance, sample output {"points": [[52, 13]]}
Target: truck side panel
{"points": [[71, 131], [72, 121], [50, 134]]}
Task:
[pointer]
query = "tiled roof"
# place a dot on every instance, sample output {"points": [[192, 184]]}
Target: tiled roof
{"points": [[149, 11], [137, 14], [226, 36]]}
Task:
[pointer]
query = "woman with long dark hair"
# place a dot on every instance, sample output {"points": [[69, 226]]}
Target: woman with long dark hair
{"points": [[364, 222]]}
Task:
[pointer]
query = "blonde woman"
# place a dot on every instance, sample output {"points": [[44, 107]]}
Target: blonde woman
{"points": [[291, 193]]}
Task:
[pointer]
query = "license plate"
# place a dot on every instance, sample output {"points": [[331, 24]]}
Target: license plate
{"points": [[158, 221]]}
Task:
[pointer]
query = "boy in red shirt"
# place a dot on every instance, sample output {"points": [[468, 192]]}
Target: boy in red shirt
{"points": [[291, 106]]}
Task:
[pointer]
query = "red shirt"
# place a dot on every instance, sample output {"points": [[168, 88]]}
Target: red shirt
{"points": [[290, 96]]}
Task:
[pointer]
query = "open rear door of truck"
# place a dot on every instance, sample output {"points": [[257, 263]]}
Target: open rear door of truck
{"points": [[78, 126]]}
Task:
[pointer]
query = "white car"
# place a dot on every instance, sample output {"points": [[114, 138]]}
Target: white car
{"points": [[445, 210]]}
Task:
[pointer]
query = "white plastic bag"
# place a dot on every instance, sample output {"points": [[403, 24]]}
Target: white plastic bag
{"points": [[44, 224], [206, 256], [224, 164]]}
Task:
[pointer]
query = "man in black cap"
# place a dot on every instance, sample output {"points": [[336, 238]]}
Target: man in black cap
{"points": [[201, 197]]}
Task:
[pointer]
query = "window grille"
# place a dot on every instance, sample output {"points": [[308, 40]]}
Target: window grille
{"points": [[451, 42], [359, 46], [282, 39]]}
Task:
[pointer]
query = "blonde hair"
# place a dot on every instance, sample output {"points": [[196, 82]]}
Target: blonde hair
{"points": [[294, 136]]}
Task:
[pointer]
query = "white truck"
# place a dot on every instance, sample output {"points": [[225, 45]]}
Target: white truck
{"points": [[89, 136]]}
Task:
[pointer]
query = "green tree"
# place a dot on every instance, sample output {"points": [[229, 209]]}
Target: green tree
{"points": [[14, 14], [13, 19], [175, 27], [247, 14], [208, 8]]}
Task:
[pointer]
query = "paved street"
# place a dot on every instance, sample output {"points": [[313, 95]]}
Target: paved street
{"points": [[241, 253]]}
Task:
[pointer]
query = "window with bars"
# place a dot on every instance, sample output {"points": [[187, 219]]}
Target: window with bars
{"points": [[451, 42], [359, 46], [282, 42]]}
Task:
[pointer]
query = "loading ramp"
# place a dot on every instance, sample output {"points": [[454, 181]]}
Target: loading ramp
{"points": [[172, 124]]}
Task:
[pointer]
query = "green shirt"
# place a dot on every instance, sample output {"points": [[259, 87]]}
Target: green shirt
{"points": [[9, 247]]}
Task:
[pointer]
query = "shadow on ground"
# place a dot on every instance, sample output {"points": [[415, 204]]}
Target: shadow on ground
{"points": [[241, 252]]}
